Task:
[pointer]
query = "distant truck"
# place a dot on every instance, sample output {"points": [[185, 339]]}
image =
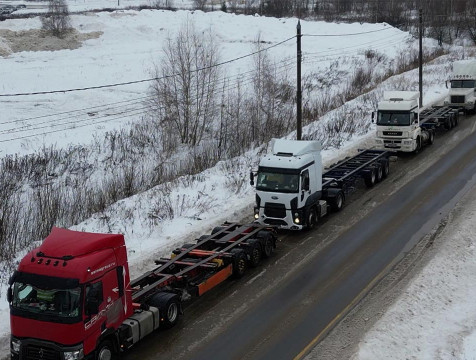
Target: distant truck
{"points": [[462, 86], [293, 191], [72, 299], [403, 126]]}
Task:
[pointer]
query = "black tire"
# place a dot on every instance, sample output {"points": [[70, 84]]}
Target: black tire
{"points": [[431, 137], [378, 173], [312, 218], [385, 168], [217, 229], [105, 351], [370, 178], [239, 262], [337, 202], [418, 146], [268, 242], [203, 237], [169, 308], [255, 252]]}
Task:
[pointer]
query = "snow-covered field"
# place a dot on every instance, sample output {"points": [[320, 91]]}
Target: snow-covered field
{"points": [[130, 43]]}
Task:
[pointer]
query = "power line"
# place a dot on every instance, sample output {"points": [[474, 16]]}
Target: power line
{"points": [[146, 80], [350, 34]]}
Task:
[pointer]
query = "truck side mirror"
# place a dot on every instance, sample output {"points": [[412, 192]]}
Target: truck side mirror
{"points": [[9, 295], [306, 184], [415, 117], [446, 84], [373, 117], [252, 178]]}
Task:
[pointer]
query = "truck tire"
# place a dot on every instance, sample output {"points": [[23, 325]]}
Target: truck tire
{"points": [[418, 145], [385, 168], [239, 263], [337, 202], [217, 229], [267, 243], [169, 308], [431, 137], [370, 177], [378, 173], [105, 351], [255, 252], [312, 218]]}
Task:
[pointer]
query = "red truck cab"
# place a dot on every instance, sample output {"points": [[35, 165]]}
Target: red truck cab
{"points": [[69, 296]]}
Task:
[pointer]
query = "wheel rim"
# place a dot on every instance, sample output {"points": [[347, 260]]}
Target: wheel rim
{"points": [[380, 172], [372, 178], [105, 354], [339, 201], [241, 265], [172, 312], [312, 219]]}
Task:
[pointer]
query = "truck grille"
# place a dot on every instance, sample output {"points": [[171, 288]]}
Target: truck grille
{"points": [[457, 99], [276, 222], [392, 133], [275, 210], [34, 352]]}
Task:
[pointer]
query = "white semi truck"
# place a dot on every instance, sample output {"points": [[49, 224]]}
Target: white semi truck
{"points": [[461, 94], [293, 191], [403, 126]]}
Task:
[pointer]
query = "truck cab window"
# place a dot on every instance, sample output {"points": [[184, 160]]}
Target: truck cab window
{"points": [[305, 180]]}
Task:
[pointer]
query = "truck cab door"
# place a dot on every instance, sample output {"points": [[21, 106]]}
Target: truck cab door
{"points": [[305, 186]]}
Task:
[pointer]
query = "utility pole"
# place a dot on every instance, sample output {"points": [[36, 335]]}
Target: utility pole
{"points": [[299, 91], [420, 72]]}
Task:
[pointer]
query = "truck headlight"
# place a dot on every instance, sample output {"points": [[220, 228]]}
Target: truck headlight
{"points": [[15, 346], [256, 213], [74, 355], [296, 219]]}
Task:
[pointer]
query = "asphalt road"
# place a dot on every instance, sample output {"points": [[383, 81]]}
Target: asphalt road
{"points": [[281, 310]]}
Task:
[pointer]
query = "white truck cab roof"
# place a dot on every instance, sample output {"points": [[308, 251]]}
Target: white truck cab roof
{"points": [[291, 154], [399, 100]]}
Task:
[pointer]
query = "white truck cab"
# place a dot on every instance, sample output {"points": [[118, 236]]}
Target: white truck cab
{"points": [[461, 94], [289, 183], [398, 122]]}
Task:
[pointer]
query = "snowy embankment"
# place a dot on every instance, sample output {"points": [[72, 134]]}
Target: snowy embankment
{"points": [[435, 317], [157, 220]]}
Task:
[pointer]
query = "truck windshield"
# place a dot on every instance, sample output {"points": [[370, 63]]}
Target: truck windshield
{"points": [[393, 118], [466, 84], [277, 182], [46, 302]]}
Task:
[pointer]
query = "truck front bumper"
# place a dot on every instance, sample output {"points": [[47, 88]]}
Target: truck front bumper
{"points": [[395, 144], [286, 223], [39, 349]]}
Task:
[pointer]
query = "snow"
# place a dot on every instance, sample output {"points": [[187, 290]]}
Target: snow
{"points": [[434, 318], [130, 43]]}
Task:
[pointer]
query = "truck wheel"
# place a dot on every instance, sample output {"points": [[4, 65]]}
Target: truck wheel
{"points": [[418, 145], [378, 173], [268, 246], [385, 168], [337, 202], [239, 263], [370, 177], [105, 351], [255, 252], [169, 308], [311, 219], [431, 137]]}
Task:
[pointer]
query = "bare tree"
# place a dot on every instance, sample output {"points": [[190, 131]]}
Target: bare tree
{"points": [[185, 92], [57, 18], [199, 4]]}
